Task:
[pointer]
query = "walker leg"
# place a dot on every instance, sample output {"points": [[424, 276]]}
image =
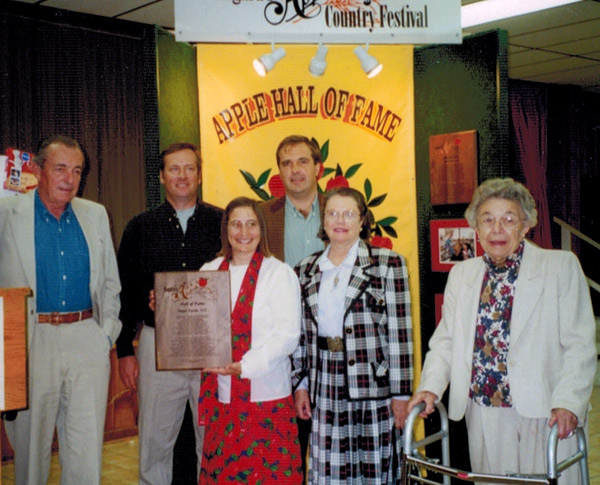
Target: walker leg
{"points": [[583, 463]]}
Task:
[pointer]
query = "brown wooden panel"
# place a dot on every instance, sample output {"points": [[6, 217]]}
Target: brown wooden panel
{"points": [[15, 347], [121, 409]]}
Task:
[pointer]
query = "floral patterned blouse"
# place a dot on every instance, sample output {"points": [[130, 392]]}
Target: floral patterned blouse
{"points": [[489, 375]]}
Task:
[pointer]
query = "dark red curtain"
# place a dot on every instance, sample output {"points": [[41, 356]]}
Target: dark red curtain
{"points": [[529, 117]]}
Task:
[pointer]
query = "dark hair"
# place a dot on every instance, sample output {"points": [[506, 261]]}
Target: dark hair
{"points": [[263, 244], [365, 214], [292, 140], [42, 151], [177, 147]]}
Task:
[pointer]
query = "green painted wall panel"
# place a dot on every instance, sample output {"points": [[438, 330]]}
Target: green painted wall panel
{"points": [[177, 91]]}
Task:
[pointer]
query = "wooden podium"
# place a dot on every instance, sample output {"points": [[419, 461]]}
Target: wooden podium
{"points": [[14, 315]]}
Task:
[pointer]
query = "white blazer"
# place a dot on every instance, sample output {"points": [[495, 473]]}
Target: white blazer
{"points": [[17, 257], [552, 352], [275, 332]]}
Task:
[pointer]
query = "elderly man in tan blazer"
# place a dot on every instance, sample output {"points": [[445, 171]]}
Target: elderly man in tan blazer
{"points": [[60, 246]]}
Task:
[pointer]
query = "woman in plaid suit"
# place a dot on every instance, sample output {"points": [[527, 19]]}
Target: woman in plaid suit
{"points": [[352, 371]]}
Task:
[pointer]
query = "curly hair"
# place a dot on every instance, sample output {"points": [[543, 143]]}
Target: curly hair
{"points": [[502, 188]]}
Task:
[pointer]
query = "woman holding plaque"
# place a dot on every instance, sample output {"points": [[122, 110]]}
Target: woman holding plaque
{"points": [[246, 406], [352, 371]]}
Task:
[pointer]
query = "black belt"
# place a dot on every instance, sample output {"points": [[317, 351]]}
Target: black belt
{"points": [[333, 344]]}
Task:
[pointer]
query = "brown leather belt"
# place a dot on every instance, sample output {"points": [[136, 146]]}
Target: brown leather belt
{"points": [[333, 344], [57, 318]]}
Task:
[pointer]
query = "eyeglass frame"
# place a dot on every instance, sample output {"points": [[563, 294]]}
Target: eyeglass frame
{"points": [[348, 215], [502, 220]]}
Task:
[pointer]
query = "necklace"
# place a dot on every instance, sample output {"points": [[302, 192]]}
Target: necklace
{"points": [[336, 279]]}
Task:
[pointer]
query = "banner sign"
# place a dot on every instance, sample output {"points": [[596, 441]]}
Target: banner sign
{"points": [[319, 21], [307, 102], [364, 128]]}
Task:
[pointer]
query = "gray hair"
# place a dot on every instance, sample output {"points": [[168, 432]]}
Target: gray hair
{"points": [[42, 151], [502, 188]]}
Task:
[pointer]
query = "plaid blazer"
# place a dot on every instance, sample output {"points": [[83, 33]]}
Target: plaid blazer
{"points": [[377, 332]]}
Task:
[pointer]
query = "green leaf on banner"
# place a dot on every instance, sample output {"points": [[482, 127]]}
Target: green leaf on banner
{"points": [[387, 221], [390, 231], [249, 178], [352, 170], [377, 200], [324, 151], [368, 189], [262, 180]]}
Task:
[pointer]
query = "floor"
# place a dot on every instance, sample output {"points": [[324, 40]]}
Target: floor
{"points": [[121, 456], [120, 459]]}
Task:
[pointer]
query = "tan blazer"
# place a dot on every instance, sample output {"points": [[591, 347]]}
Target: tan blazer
{"points": [[552, 353], [17, 257]]}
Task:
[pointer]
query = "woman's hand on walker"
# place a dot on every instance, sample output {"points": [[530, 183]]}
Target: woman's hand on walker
{"points": [[429, 398]]}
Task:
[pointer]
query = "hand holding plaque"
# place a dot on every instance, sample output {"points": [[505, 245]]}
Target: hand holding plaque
{"points": [[193, 320]]}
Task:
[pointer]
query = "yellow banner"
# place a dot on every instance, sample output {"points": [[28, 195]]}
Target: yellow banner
{"points": [[365, 128]]}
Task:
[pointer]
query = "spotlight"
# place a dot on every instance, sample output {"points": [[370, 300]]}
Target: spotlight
{"points": [[369, 64], [266, 62], [318, 63]]}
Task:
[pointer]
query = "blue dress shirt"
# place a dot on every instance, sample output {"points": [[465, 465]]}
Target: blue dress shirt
{"points": [[62, 262]]}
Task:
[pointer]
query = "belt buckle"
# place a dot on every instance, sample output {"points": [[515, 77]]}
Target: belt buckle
{"points": [[335, 344], [55, 318]]}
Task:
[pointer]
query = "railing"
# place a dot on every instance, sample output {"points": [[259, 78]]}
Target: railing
{"points": [[566, 233]]}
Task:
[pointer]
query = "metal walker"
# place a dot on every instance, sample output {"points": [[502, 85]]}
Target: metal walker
{"points": [[413, 463]]}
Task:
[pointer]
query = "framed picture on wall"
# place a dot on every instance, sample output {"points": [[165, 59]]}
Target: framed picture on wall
{"points": [[453, 167], [452, 240]]}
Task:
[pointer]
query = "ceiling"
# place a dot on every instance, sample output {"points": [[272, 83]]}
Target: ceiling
{"points": [[559, 45]]}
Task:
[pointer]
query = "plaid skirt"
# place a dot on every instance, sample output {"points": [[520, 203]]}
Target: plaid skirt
{"points": [[351, 441]]}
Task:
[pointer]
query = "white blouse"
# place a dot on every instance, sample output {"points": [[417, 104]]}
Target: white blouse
{"points": [[275, 330]]}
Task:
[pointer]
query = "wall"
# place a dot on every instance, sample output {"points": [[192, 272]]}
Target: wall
{"points": [[172, 116]]}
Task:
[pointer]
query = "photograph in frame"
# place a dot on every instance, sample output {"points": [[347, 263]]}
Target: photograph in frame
{"points": [[452, 240]]}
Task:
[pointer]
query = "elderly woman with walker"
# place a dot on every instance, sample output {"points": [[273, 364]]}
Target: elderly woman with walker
{"points": [[515, 342]]}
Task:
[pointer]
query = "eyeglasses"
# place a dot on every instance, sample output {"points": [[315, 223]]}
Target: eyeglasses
{"points": [[507, 221], [251, 224], [348, 215]]}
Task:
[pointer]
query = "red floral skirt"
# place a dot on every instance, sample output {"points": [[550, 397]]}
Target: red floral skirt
{"points": [[252, 442]]}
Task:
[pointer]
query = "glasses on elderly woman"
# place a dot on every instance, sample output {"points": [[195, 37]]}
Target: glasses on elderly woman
{"points": [[348, 215], [507, 221]]}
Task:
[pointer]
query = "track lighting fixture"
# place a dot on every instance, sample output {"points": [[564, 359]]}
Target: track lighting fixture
{"points": [[369, 64], [266, 62], [318, 63]]}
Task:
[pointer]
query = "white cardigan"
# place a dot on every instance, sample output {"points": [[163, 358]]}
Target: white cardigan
{"points": [[275, 332], [552, 353]]}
